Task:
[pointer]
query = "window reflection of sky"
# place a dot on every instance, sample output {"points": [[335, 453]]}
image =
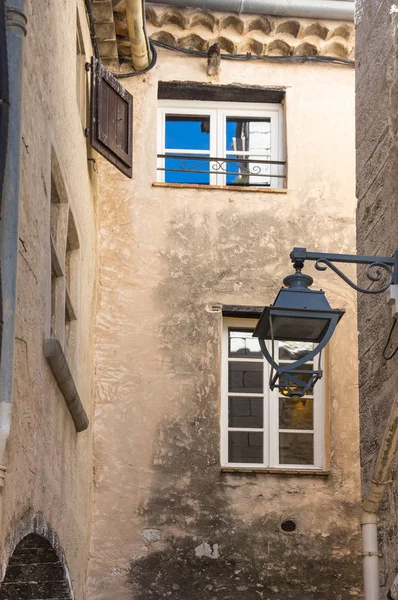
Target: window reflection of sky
{"points": [[187, 133]]}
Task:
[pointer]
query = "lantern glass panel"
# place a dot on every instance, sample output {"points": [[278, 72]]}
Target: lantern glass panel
{"points": [[301, 329], [294, 350], [307, 372]]}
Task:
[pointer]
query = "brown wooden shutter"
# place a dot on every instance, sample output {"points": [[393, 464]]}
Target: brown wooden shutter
{"points": [[111, 118]]}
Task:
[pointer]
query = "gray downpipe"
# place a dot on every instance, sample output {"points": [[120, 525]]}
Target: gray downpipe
{"points": [[16, 30], [342, 10]]}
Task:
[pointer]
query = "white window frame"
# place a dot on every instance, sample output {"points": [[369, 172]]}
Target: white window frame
{"points": [[271, 414], [218, 113]]}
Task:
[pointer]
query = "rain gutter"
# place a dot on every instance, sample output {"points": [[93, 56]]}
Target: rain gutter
{"points": [[382, 477], [16, 31], [342, 10]]}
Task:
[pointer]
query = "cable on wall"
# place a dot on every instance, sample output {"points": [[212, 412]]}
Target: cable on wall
{"points": [[151, 65], [249, 56], [393, 353]]}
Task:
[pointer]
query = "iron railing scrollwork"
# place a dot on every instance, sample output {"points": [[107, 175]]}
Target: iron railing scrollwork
{"points": [[245, 171]]}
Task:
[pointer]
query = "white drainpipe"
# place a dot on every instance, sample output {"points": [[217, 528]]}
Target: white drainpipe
{"points": [[370, 556], [371, 504], [140, 50], [317, 9]]}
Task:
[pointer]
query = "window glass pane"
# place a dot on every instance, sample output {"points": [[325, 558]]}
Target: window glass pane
{"points": [[246, 170], [294, 350], [245, 377], [248, 133], [243, 344], [188, 169], [245, 447], [296, 415], [245, 412], [296, 449], [187, 132]]}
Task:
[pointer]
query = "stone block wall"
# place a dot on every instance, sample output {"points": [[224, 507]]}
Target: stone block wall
{"points": [[377, 230], [49, 466]]}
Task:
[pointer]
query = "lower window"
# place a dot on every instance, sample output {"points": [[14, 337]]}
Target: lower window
{"points": [[260, 427]]}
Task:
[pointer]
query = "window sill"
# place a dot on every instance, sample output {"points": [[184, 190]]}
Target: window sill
{"points": [[60, 369], [228, 188], [266, 471]]}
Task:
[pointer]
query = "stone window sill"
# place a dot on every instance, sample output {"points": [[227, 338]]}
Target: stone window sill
{"points": [[60, 369], [265, 471], [227, 188]]}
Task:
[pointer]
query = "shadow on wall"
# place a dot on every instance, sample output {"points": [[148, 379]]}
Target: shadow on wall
{"points": [[35, 572], [198, 546]]}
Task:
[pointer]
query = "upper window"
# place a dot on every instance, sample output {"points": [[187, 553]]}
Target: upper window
{"points": [[214, 143], [259, 427]]}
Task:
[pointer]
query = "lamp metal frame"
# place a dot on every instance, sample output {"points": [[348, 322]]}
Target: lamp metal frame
{"points": [[380, 269]]}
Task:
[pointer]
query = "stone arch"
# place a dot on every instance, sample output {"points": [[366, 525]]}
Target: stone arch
{"points": [[260, 24], [317, 29], [224, 43], [279, 48], [165, 37], [234, 22], [35, 571], [253, 46], [344, 31], [338, 49], [173, 17], [290, 27], [202, 19], [306, 49], [192, 41]]}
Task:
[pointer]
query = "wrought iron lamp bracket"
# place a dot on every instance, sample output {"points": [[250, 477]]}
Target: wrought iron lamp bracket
{"points": [[379, 268]]}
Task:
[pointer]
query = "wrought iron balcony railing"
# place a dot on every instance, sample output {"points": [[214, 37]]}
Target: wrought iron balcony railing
{"points": [[230, 170]]}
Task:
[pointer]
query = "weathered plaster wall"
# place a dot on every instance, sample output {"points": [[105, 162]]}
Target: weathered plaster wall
{"points": [[49, 464], [377, 226], [166, 257]]}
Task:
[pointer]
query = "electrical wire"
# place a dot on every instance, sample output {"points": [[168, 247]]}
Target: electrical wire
{"points": [[151, 65], [388, 341], [249, 56]]}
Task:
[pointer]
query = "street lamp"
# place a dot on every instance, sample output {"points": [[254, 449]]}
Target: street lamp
{"points": [[300, 314]]}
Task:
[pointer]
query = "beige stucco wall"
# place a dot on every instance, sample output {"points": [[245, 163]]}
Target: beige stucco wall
{"points": [[166, 256], [49, 468]]}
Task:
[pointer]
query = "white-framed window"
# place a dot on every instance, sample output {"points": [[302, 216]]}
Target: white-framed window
{"points": [[261, 428], [221, 143]]}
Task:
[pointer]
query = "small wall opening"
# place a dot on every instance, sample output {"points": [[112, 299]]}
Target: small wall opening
{"points": [[35, 572], [288, 526]]}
